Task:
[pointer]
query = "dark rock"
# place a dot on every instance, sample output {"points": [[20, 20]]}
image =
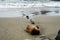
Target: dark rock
{"points": [[58, 36], [43, 37], [35, 13], [27, 17], [44, 12], [32, 22], [55, 0]]}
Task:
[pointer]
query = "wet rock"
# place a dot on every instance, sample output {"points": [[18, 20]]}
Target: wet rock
{"points": [[35, 13], [55, 0], [32, 22], [43, 37], [58, 36], [44, 12], [27, 17]]}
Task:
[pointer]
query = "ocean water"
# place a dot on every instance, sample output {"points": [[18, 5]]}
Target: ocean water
{"points": [[13, 8], [21, 12], [17, 1]]}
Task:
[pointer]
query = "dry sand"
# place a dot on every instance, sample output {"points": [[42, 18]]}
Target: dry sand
{"points": [[13, 28]]}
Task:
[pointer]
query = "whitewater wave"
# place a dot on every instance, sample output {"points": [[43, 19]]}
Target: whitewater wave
{"points": [[30, 5]]}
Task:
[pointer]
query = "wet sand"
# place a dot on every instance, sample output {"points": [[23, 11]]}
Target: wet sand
{"points": [[13, 28]]}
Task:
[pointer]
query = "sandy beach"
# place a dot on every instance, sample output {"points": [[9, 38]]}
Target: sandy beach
{"points": [[13, 21], [13, 28]]}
